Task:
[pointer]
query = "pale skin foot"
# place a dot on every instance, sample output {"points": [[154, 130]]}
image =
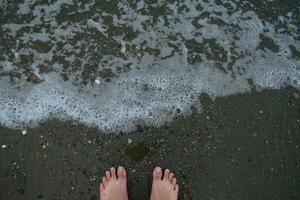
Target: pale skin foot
{"points": [[164, 187], [114, 185]]}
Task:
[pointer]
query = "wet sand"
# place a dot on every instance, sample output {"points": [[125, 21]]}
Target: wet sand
{"points": [[240, 147]]}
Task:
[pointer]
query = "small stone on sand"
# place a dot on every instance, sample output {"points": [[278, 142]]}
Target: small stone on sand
{"points": [[129, 141], [3, 146], [24, 132]]}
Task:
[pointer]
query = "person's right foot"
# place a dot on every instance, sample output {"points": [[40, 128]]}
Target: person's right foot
{"points": [[164, 188]]}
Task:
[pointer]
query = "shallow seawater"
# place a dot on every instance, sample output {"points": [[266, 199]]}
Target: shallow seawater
{"points": [[121, 64]]}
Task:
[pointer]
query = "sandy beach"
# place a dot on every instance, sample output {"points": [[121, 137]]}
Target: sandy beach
{"points": [[240, 147]]}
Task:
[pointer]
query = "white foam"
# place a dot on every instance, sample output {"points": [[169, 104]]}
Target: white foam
{"points": [[156, 86], [97, 25]]}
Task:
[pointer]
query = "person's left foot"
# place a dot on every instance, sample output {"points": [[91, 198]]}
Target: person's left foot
{"points": [[114, 187]]}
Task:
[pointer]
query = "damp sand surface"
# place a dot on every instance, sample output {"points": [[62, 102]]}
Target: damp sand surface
{"points": [[240, 147]]}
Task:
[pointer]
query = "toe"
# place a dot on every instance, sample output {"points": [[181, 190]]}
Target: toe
{"points": [[121, 172], [104, 181], [113, 172], [166, 174], [101, 187], [174, 181], [171, 175], [107, 174], [157, 173], [176, 188]]}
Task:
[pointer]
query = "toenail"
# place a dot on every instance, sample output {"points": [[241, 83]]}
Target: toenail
{"points": [[121, 170], [158, 170]]}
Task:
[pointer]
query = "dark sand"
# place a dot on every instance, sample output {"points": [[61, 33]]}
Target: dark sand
{"points": [[240, 147]]}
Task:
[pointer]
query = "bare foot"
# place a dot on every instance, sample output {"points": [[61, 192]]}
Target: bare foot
{"points": [[164, 188], [114, 187]]}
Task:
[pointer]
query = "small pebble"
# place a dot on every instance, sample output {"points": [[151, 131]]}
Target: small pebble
{"points": [[24, 132], [267, 142], [3, 146], [44, 146], [129, 141], [296, 95]]}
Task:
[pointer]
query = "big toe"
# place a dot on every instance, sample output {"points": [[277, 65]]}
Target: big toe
{"points": [[157, 173], [121, 173]]}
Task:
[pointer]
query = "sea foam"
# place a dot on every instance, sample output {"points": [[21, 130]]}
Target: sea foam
{"points": [[172, 58]]}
